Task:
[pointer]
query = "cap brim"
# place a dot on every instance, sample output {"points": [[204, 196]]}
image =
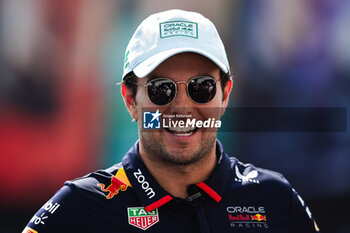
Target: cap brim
{"points": [[147, 66]]}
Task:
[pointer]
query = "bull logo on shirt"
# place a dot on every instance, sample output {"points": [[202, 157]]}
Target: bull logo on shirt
{"points": [[258, 217], [118, 182]]}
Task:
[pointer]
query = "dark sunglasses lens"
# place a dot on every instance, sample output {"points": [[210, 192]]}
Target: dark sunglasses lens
{"points": [[202, 89], [161, 91]]}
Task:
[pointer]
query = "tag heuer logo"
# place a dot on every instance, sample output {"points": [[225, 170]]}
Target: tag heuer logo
{"points": [[178, 28], [138, 217]]}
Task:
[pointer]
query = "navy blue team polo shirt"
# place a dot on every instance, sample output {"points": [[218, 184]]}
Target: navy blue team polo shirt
{"points": [[125, 198]]}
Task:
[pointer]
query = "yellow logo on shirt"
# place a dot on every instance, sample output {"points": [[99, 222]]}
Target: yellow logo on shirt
{"points": [[29, 230], [119, 182]]}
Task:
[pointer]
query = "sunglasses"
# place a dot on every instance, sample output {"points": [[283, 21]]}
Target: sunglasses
{"points": [[200, 89]]}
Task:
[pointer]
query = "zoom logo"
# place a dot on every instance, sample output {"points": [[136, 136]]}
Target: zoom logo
{"points": [[144, 184]]}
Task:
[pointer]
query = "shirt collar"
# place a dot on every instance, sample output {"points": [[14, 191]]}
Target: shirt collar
{"points": [[215, 186], [152, 195]]}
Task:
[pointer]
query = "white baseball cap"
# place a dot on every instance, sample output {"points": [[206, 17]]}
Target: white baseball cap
{"points": [[171, 32]]}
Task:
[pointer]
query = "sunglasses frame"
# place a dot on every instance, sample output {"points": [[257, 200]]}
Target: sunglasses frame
{"points": [[176, 89]]}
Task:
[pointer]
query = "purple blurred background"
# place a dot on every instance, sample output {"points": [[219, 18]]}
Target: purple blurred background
{"points": [[62, 116]]}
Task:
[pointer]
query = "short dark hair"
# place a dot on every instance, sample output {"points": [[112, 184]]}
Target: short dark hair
{"points": [[131, 79]]}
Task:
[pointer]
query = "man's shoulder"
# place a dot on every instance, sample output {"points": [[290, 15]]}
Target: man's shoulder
{"points": [[84, 200], [249, 174], [106, 182], [95, 176]]}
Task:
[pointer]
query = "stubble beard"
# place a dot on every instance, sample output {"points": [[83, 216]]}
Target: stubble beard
{"points": [[157, 151]]}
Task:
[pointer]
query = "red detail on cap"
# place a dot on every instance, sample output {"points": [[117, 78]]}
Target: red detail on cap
{"points": [[209, 191], [158, 203]]}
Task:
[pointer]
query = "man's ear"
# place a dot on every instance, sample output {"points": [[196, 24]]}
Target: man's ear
{"points": [[226, 95], [129, 102]]}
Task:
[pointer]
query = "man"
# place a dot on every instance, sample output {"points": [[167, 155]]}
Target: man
{"points": [[177, 177]]}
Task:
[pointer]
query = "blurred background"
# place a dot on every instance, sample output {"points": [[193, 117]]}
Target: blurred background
{"points": [[62, 116]]}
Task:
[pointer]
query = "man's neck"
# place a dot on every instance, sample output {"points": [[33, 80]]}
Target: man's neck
{"points": [[176, 178]]}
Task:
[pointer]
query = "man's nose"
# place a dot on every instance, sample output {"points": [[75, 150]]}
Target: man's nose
{"points": [[182, 100]]}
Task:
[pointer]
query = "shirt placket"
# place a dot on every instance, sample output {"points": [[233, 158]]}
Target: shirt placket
{"points": [[202, 218]]}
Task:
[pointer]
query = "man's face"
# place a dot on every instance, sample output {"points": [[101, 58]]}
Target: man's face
{"points": [[170, 145]]}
